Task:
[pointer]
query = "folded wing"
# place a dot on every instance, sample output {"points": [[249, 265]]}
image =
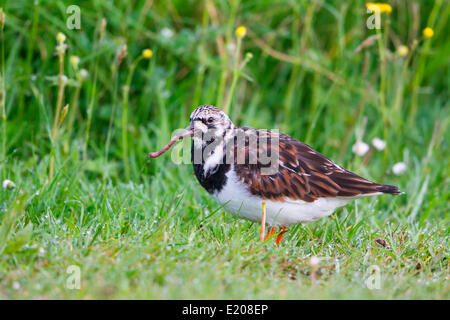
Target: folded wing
{"points": [[302, 173]]}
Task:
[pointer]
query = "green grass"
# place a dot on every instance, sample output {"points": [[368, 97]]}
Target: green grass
{"points": [[140, 228]]}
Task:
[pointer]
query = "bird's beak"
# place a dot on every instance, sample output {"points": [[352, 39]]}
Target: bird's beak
{"points": [[188, 132]]}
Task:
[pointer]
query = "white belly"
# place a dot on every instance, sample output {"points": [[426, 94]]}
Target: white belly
{"points": [[238, 200]]}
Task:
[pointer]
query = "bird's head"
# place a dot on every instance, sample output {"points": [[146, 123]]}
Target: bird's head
{"points": [[206, 124], [205, 118], [209, 123]]}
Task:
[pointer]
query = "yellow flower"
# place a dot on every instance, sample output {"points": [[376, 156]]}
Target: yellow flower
{"points": [[241, 32], [61, 37], [428, 32], [147, 53], [402, 51], [74, 60], [379, 7]]}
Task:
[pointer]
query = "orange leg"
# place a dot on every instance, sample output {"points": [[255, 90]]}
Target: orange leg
{"points": [[280, 235], [263, 223], [270, 232]]}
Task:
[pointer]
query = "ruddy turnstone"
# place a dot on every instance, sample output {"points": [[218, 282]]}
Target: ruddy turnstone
{"points": [[242, 168]]}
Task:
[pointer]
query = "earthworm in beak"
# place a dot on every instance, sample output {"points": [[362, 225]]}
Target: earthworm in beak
{"points": [[188, 132]]}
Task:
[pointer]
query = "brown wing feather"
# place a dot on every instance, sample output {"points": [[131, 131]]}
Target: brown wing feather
{"points": [[303, 174]]}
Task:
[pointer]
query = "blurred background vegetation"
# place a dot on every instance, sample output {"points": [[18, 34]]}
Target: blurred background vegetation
{"points": [[305, 76], [81, 109]]}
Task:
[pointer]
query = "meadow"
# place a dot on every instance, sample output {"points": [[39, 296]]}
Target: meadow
{"points": [[85, 214]]}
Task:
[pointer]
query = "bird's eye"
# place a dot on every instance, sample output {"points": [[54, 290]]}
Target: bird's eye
{"points": [[210, 120]]}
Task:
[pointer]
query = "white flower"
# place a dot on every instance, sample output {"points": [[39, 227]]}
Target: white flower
{"points": [[16, 285], [83, 73], [360, 148], [165, 94], [231, 47], [314, 261], [166, 33], [61, 48], [8, 184], [64, 79], [378, 143], [399, 168]]}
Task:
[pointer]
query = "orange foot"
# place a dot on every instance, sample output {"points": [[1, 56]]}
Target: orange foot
{"points": [[280, 235], [271, 231]]}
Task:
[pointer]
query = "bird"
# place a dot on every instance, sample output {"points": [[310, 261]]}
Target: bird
{"points": [[246, 169]]}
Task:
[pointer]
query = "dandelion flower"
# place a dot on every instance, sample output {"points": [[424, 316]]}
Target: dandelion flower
{"points": [[241, 32], [402, 51], [360, 148], [8, 184], [147, 53], [378, 143], [74, 60], [166, 33], [399, 168], [378, 7], [428, 32], [60, 37]]}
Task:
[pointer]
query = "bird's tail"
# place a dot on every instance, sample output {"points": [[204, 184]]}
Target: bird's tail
{"points": [[389, 189]]}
